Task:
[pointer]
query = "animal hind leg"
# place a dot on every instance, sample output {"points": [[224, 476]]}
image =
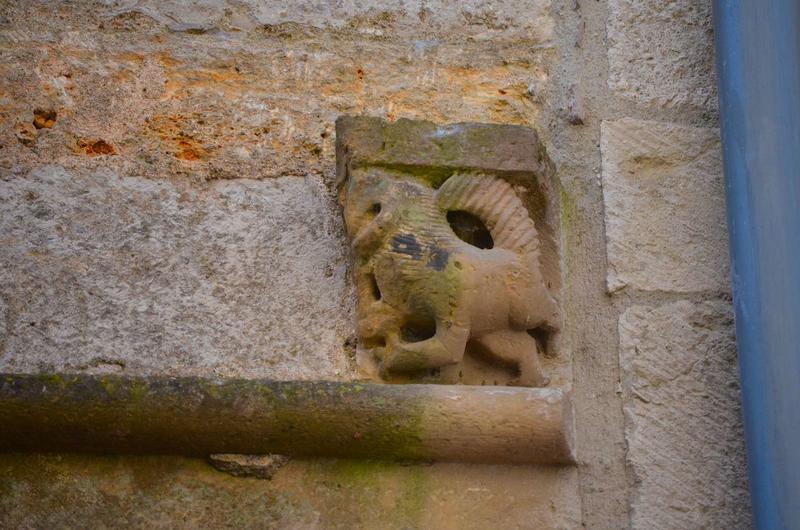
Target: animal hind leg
{"points": [[516, 347]]}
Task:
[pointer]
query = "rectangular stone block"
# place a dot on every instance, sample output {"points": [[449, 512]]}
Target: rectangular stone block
{"points": [[196, 93], [682, 417], [664, 207], [101, 273], [662, 53], [494, 148]]}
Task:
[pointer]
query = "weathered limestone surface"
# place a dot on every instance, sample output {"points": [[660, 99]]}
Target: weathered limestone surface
{"points": [[662, 52], [100, 272], [201, 416], [475, 19], [443, 148], [194, 99], [683, 426], [259, 466], [195, 91], [53, 491], [664, 207]]}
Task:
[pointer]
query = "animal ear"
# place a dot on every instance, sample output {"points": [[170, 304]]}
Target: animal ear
{"points": [[495, 204]]}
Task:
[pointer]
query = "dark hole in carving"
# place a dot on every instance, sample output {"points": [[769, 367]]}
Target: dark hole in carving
{"points": [[418, 330], [375, 209], [470, 229], [376, 291], [542, 336]]}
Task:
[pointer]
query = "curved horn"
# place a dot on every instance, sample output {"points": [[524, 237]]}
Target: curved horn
{"points": [[495, 202]]}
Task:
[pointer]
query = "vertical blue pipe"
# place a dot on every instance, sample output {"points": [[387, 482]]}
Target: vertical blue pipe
{"points": [[758, 62]]}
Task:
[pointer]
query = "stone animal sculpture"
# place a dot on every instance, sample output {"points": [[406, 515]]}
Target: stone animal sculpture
{"points": [[424, 291]]}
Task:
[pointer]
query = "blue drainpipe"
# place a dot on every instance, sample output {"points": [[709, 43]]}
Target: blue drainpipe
{"points": [[758, 62]]}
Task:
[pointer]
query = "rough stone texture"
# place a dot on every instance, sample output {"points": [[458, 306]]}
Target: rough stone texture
{"points": [[664, 207], [259, 466], [151, 492], [476, 19], [683, 426], [662, 52], [154, 99], [100, 272], [438, 149]]}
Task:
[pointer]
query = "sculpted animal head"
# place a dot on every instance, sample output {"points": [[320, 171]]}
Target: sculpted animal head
{"points": [[377, 203]]}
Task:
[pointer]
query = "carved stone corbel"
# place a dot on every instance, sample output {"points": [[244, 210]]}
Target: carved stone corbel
{"points": [[455, 261]]}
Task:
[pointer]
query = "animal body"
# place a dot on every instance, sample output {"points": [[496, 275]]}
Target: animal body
{"points": [[424, 293]]}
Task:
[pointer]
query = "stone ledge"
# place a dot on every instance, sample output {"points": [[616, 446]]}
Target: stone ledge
{"points": [[193, 416]]}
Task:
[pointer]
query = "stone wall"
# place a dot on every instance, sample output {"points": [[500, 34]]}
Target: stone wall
{"points": [[168, 207], [668, 270]]}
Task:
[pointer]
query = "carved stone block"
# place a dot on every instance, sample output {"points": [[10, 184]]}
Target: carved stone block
{"points": [[452, 234]]}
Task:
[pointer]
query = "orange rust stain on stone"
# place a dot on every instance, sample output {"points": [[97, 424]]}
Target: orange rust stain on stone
{"points": [[96, 147], [167, 60], [44, 118], [131, 57], [494, 91], [121, 76], [171, 130], [187, 151]]}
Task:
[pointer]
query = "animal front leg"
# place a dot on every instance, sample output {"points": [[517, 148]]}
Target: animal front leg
{"points": [[519, 348]]}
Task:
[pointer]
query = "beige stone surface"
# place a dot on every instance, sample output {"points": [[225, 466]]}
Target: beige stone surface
{"points": [[105, 273], [664, 207], [68, 491], [476, 19], [662, 52], [135, 90], [682, 417]]}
